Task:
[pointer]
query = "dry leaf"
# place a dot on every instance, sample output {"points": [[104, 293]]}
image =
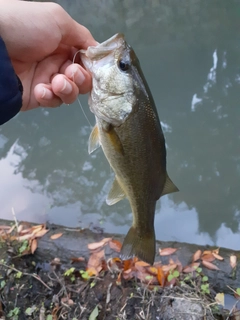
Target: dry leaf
{"points": [[160, 276], [167, 251], [217, 256], [191, 268], [36, 230], [209, 265], [106, 240], [216, 251], [24, 237], [233, 261], [207, 252], [208, 257], [169, 267], [141, 263], [11, 229], [3, 227], [196, 255], [34, 245], [56, 236], [41, 233], [115, 245], [79, 259], [95, 261], [95, 245], [220, 298], [152, 270]]}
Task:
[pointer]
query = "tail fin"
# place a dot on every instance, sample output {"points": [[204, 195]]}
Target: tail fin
{"points": [[142, 246]]}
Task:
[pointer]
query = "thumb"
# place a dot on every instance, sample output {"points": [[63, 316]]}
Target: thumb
{"points": [[73, 33]]}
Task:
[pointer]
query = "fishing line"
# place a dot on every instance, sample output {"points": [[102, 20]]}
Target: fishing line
{"points": [[74, 57]]}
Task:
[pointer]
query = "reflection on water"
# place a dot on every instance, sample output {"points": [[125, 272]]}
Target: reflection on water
{"points": [[190, 55]]}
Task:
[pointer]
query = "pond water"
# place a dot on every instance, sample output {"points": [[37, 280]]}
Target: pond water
{"points": [[190, 55]]}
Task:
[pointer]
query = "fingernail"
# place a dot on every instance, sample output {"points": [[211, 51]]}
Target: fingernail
{"points": [[67, 88], [78, 77], [46, 94]]}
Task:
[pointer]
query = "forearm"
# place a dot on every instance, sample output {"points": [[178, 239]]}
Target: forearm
{"points": [[10, 87]]}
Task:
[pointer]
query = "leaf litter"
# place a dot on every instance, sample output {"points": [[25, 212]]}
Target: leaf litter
{"points": [[153, 277]]}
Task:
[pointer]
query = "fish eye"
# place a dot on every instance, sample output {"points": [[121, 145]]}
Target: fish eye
{"points": [[123, 65]]}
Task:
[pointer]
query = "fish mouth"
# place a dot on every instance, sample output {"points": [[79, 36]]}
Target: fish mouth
{"points": [[95, 53]]}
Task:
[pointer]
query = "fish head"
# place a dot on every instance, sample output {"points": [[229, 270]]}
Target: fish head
{"points": [[116, 79]]}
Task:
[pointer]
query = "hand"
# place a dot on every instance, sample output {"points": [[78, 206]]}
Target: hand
{"points": [[42, 39]]}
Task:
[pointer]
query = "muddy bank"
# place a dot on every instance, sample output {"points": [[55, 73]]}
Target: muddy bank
{"points": [[53, 284]]}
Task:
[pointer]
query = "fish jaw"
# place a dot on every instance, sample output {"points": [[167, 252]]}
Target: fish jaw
{"points": [[112, 97]]}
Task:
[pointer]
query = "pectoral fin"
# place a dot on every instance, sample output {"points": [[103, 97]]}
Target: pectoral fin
{"points": [[93, 142], [115, 194], [169, 187], [115, 140]]}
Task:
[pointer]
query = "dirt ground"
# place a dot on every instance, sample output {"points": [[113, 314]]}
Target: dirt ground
{"points": [[33, 288]]}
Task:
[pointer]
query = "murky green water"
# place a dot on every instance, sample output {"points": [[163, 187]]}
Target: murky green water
{"points": [[190, 55]]}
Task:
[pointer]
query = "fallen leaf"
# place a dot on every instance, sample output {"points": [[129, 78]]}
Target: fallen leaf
{"points": [[167, 251], [197, 255], [169, 267], [34, 246], [94, 314], [152, 270], [11, 229], [233, 261], [128, 274], [217, 256], [36, 230], [191, 268], [106, 240], [115, 245], [3, 227], [141, 263], [56, 236], [208, 257], [79, 259], [207, 252], [160, 276], [95, 261], [95, 245], [24, 237], [220, 298], [41, 233], [209, 265], [216, 251], [127, 264]]}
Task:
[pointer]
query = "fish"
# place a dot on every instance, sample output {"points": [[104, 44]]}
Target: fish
{"points": [[129, 132]]}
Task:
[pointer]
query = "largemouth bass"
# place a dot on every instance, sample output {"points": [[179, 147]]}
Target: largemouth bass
{"points": [[129, 131]]}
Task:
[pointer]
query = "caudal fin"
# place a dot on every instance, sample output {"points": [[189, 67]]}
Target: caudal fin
{"points": [[141, 246]]}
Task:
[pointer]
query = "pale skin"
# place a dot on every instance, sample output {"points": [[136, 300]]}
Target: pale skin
{"points": [[42, 39]]}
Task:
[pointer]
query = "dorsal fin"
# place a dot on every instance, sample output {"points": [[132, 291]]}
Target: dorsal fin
{"points": [[169, 187], [115, 194], [93, 142]]}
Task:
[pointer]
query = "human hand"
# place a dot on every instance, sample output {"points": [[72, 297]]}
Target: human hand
{"points": [[42, 39]]}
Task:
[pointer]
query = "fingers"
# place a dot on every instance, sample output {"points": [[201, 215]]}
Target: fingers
{"points": [[64, 88]]}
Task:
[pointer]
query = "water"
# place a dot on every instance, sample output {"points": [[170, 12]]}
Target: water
{"points": [[190, 55]]}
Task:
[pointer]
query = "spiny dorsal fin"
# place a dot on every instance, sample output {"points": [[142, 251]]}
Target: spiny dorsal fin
{"points": [[93, 142], [169, 187], [116, 193]]}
